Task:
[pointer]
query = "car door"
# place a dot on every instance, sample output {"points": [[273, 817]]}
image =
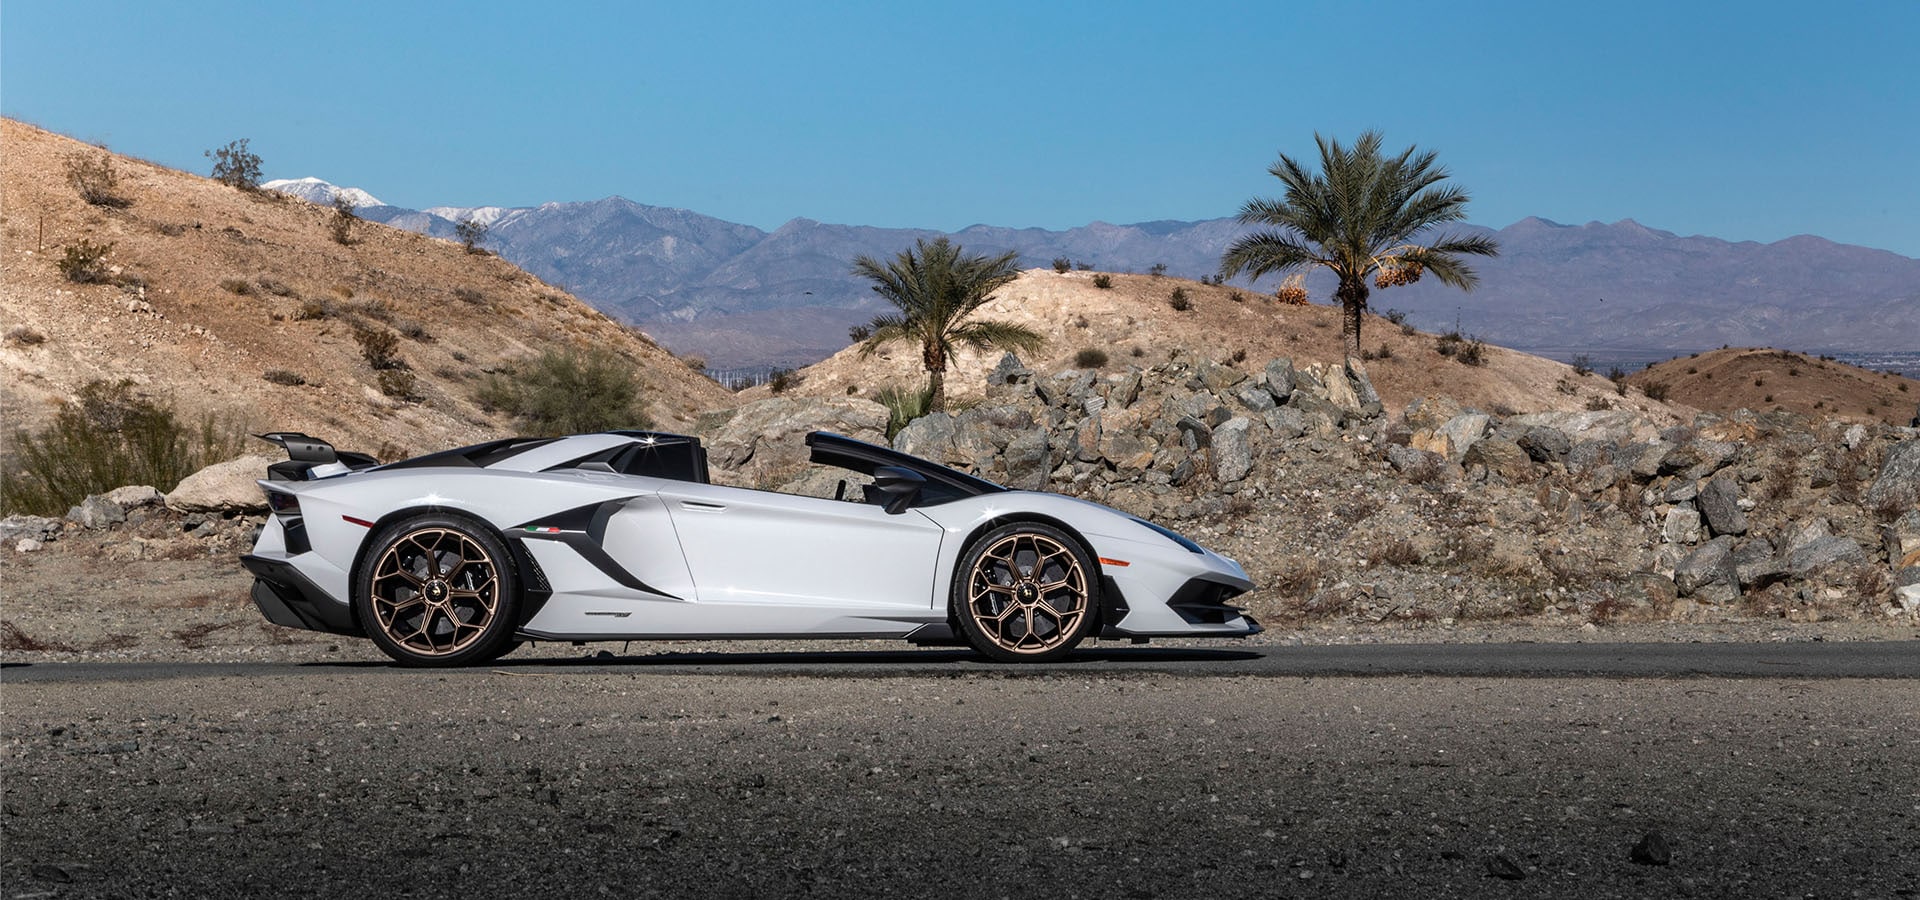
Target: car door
{"points": [[764, 548]]}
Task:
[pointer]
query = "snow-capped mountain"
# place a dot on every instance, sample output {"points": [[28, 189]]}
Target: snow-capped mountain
{"points": [[315, 190], [485, 215]]}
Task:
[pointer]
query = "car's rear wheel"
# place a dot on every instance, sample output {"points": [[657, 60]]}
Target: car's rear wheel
{"points": [[1025, 592], [436, 590]]}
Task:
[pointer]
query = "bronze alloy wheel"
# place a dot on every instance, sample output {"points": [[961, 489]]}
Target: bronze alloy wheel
{"points": [[434, 591], [1026, 593]]}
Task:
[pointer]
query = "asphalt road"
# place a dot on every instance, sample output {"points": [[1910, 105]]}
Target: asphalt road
{"points": [[1469, 771], [1806, 659]]}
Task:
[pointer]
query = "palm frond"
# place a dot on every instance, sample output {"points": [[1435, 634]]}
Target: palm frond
{"points": [[1265, 252], [987, 334]]}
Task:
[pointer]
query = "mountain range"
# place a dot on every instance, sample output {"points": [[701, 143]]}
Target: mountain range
{"points": [[740, 296]]}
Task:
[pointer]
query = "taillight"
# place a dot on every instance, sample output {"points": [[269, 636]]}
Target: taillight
{"points": [[283, 504]]}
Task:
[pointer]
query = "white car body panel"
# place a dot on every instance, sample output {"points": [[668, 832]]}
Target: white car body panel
{"points": [[615, 556]]}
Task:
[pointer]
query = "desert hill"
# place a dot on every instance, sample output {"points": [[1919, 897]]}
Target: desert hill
{"points": [[1135, 323], [209, 292], [1767, 379]]}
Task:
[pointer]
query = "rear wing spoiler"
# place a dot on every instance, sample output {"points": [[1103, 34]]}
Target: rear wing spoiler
{"points": [[310, 458]]}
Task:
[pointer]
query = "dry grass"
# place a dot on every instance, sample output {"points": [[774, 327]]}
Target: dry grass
{"points": [[194, 637], [12, 637]]}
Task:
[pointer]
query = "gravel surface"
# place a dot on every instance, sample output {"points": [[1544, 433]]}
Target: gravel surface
{"points": [[494, 783]]}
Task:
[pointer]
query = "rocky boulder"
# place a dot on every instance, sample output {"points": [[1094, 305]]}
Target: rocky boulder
{"points": [[1897, 487], [1500, 457], [14, 529], [98, 512], [225, 488], [768, 437], [1814, 546], [1708, 565], [1719, 502]]}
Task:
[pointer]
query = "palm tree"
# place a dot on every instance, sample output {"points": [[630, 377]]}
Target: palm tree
{"points": [[936, 288], [1359, 216]]}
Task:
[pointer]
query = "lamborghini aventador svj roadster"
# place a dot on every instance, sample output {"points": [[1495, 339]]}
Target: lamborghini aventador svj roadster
{"points": [[458, 557]]}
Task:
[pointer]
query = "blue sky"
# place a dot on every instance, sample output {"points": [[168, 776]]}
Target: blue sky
{"points": [[1748, 121]]}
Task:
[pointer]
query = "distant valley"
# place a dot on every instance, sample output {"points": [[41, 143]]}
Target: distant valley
{"points": [[742, 297]]}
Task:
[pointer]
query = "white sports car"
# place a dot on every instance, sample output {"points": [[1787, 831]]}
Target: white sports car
{"points": [[457, 557]]}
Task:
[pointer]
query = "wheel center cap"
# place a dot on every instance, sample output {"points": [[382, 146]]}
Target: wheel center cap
{"points": [[1028, 593], [437, 590]]}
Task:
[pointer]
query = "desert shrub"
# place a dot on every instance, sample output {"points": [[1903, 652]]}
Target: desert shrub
{"points": [[471, 233], [904, 404], [1083, 266], [696, 363], [1136, 352], [1759, 382], [1793, 372], [1236, 297], [1473, 352], [1298, 577], [1582, 364], [742, 382], [1385, 352], [469, 295], [1178, 300], [1395, 316], [379, 347], [1397, 552], [1157, 269], [1616, 374], [25, 336], [84, 262], [274, 286], [239, 286], [1767, 399], [1597, 404], [1103, 281], [1693, 370], [859, 333], [1656, 390], [1448, 344], [236, 166], [1080, 322], [107, 438], [567, 392], [340, 225], [284, 377], [1090, 358], [779, 380], [396, 383], [93, 176], [413, 331], [375, 308], [312, 310], [1062, 265]]}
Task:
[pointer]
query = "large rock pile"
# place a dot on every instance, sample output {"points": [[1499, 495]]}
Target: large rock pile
{"points": [[1442, 511]]}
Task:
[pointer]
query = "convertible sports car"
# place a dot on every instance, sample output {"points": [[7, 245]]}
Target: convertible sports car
{"points": [[457, 557]]}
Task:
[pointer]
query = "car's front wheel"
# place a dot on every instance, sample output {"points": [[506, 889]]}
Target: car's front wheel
{"points": [[437, 590], [1025, 592]]}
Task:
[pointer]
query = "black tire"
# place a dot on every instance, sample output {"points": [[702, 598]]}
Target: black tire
{"points": [[1024, 593], [438, 591]]}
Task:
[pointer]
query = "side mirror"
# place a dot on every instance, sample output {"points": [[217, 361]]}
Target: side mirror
{"points": [[897, 487]]}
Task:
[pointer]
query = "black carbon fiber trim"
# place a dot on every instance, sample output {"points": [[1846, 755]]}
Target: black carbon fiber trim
{"points": [[583, 528]]}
